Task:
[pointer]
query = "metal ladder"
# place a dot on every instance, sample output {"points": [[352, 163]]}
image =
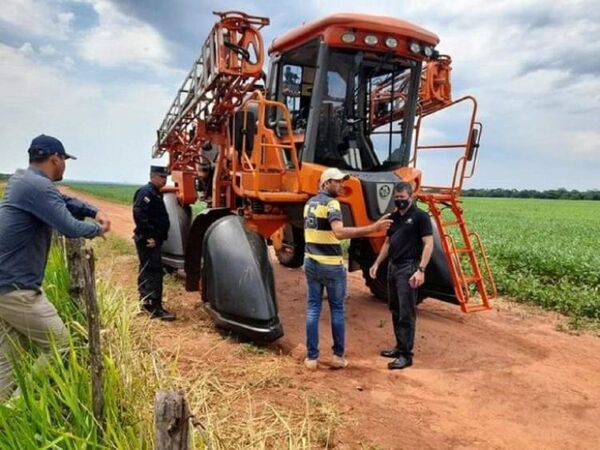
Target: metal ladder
{"points": [[474, 284]]}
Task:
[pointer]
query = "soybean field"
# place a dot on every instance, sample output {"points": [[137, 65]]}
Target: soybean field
{"points": [[119, 193], [546, 252]]}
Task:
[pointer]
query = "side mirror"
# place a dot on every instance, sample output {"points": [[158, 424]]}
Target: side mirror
{"points": [[474, 144], [239, 131]]}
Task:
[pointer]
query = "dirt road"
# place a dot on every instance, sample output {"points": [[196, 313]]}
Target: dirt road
{"points": [[500, 379]]}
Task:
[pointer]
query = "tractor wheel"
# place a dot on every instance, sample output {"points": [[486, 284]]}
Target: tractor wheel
{"points": [[377, 286], [291, 253]]}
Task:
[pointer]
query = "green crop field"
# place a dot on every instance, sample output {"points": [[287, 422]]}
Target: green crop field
{"points": [[545, 252], [120, 193]]}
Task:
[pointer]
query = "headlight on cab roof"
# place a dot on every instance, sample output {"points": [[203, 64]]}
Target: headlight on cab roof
{"points": [[391, 42], [371, 39], [415, 47], [349, 37]]}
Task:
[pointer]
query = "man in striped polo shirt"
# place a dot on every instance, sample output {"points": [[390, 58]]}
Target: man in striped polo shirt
{"points": [[324, 265]]}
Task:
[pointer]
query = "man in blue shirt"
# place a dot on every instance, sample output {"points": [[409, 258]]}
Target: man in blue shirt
{"points": [[32, 206]]}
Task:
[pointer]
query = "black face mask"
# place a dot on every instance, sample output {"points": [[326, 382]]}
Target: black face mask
{"points": [[401, 204]]}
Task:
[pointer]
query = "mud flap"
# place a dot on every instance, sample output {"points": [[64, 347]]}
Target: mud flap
{"points": [[193, 249], [438, 281], [173, 249], [237, 281]]}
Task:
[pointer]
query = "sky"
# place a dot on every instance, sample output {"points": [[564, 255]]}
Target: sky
{"points": [[101, 74]]}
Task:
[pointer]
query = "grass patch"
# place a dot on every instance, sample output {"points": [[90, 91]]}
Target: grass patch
{"points": [[542, 251], [245, 395], [112, 246]]}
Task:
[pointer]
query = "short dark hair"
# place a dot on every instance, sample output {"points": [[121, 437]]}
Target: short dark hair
{"points": [[403, 186], [39, 159]]}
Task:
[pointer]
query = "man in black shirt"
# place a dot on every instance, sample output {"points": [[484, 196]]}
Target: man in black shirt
{"points": [[151, 230], [409, 244]]}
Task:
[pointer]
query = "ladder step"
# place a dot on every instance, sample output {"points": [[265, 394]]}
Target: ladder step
{"points": [[452, 223], [472, 279], [464, 250], [477, 308]]}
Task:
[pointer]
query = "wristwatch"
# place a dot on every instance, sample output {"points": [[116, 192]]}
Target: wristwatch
{"points": [[421, 269]]}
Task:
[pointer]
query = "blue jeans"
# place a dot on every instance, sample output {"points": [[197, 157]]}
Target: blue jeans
{"points": [[332, 277]]}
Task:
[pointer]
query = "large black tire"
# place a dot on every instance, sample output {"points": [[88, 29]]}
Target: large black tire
{"points": [[378, 286], [291, 254]]}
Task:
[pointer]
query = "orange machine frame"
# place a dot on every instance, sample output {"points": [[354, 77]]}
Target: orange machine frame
{"points": [[258, 179]]}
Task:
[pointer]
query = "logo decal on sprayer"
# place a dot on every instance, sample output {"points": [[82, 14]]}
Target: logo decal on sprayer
{"points": [[384, 194]]}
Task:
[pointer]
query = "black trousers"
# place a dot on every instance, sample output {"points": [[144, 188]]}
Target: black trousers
{"points": [[403, 304], [150, 274]]}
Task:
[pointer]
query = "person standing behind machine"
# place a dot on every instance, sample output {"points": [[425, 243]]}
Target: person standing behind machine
{"points": [[151, 230]]}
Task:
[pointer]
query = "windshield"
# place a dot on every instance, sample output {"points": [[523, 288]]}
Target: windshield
{"points": [[365, 119]]}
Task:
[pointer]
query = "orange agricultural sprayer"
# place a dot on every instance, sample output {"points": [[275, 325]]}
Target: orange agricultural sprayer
{"points": [[347, 91]]}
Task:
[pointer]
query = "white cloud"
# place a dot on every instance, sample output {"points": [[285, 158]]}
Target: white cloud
{"points": [[27, 49], [584, 145], [110, 127], [47, 50], [532, 66], [121, 40], [36, 18]]}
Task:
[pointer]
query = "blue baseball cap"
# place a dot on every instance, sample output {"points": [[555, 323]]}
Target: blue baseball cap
{"points": [[47, 145]]}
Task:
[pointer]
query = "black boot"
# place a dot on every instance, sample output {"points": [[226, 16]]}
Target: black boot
{"points": [[400, 363], [162, 314], [391, 353], [156, 311]]}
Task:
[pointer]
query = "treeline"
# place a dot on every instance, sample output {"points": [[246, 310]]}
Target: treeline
{"points": [[554, 194], [4, 177]]}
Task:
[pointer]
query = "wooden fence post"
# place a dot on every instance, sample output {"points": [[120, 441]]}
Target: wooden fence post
{"points": [[83, 288], [171, 421]]}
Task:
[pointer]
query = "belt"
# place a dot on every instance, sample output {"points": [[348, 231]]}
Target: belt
{"points": [[404, 261], [9, 289]]}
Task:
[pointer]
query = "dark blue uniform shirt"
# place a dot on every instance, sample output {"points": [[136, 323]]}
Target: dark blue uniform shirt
{"points": [[150, 214], [31, 207]]}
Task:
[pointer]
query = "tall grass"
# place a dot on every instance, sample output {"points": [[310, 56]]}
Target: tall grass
{"points": [[229, 398], [54, 409]]}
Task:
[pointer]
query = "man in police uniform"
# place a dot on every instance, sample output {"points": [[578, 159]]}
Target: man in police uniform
{"points": [[324, 265], [151, 230], [409, 244]]}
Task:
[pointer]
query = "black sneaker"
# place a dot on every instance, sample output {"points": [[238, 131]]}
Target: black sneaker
{"points": [[392, 353], [162, 314], [400, 363]]}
